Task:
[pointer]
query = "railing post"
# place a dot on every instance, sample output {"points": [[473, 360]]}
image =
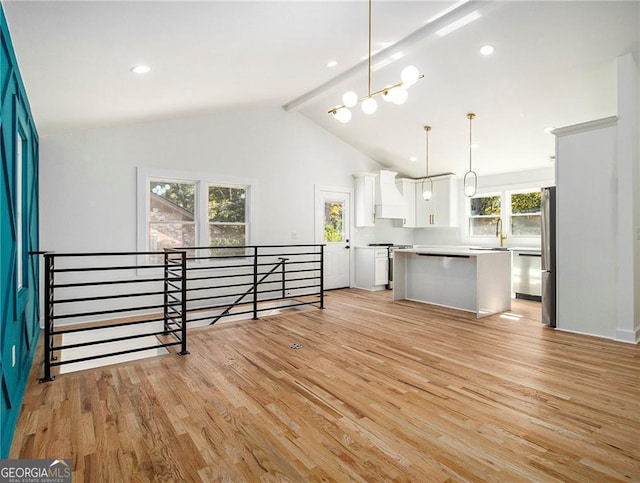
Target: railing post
{"points": [[322, 276], [183, 308], [284, 262], [49, 266], [166, 291], [255, 283]]}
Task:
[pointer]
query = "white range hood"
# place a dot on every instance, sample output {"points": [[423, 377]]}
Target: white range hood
{"points": [[389, 201]]}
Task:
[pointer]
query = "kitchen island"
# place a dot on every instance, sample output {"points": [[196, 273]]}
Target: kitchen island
{"points": [[472, 279]]}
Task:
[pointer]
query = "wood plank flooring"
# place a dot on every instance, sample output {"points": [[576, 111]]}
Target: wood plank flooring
{"points": [[380, 391]]}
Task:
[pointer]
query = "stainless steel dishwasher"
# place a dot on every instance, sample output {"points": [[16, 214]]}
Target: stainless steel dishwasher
{"points": [[526, 274]]}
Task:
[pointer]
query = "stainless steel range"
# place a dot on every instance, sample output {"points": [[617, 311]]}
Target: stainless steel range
{"points": [[390, 249]]}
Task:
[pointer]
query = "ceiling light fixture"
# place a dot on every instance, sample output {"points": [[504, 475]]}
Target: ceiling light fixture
{"points": [[396, 93], [470, 181], [332, 63], [487, 49], [140, 69], [428, 192]]}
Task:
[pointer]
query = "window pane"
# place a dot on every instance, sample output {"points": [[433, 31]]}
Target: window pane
{"points": [[525, 225], [227, 235], [482, 226], [525, 202], [226, 204], [485, 205], [333, 221], [171, 201], [171, 235]]}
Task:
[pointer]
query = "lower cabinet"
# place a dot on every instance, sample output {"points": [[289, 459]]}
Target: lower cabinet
{"points": [[371, 267]]}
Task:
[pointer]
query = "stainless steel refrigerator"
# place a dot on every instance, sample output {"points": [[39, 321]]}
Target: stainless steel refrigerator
{"points": [[548, 246]]}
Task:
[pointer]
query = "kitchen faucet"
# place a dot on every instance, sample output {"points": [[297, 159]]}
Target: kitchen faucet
{"points": [[502, 237]]}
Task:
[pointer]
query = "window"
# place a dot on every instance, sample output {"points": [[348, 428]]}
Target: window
{"points": [[519, 211], [525, 214], [227, 210], [172, 220], [333, 221], [177, 209], [484, 214]]}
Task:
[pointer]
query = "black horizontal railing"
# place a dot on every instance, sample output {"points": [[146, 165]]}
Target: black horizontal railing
{"points": [[161, 293], [76, 295]]}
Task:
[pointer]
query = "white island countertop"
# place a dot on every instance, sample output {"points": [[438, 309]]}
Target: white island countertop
{"points": [[453, 250], [473, 279]]}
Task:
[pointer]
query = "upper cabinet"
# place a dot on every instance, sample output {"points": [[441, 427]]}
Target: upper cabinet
{"points": [[365, 197], [440, 211]]}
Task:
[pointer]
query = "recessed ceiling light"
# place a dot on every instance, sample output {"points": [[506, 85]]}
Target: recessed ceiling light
{"points": [[413, 159], [332, 63], [487, 49], [140, 69]]}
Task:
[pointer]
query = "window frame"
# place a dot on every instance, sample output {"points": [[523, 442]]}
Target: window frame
{"points": [[469, 217], [509, 195], [247, 191], [202, 182], [505, 193]]}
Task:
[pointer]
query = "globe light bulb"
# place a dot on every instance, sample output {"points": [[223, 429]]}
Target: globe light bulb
{"points": [[409, 75], [388, 95], [426, 195], [469, 190], [400, 95], [350, 99], [369, 105], [343, 115]]}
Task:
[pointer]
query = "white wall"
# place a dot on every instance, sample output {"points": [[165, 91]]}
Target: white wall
{"points": [[88, 178], [628, 190], [587, 222]]}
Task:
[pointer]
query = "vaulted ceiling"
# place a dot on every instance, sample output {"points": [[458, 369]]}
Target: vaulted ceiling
{"points": [[554, 64]]}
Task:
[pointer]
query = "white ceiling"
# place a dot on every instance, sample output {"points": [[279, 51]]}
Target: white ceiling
{"points": [[554, 65]]}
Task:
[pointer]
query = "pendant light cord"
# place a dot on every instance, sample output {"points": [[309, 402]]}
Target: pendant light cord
{"points": [[427, 129], [470, 116], [369, 80]]}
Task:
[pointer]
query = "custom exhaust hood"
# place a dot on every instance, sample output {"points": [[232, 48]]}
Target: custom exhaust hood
{"points": [[389, 201]]}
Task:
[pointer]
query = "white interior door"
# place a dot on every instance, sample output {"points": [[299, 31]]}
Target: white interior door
{"points": [[333, 229]]}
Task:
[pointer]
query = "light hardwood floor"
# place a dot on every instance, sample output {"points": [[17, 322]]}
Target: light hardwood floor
{"points": [[381, 391]]}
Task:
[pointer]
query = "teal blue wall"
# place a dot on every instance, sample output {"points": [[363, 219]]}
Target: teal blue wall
{"points": [[19, 306]]}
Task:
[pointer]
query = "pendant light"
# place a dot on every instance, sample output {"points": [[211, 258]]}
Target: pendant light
{"points": [[470, 181], [428, 192], [396, 93]]}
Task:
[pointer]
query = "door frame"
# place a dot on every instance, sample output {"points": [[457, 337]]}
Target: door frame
{"points": [[318, 217]]}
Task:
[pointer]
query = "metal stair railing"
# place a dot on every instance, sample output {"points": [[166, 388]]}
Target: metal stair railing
{"points": [[253, 289]]}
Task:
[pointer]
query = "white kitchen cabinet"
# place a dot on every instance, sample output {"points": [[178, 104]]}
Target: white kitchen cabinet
{"points": [[365, 197], [407, 188], [440, 211], [371, 267]]}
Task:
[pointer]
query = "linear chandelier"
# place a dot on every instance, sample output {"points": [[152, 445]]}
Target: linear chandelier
{"points": [[396, 93]]}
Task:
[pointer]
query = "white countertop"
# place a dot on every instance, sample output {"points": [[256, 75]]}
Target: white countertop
{"points": [[453, 250]]}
